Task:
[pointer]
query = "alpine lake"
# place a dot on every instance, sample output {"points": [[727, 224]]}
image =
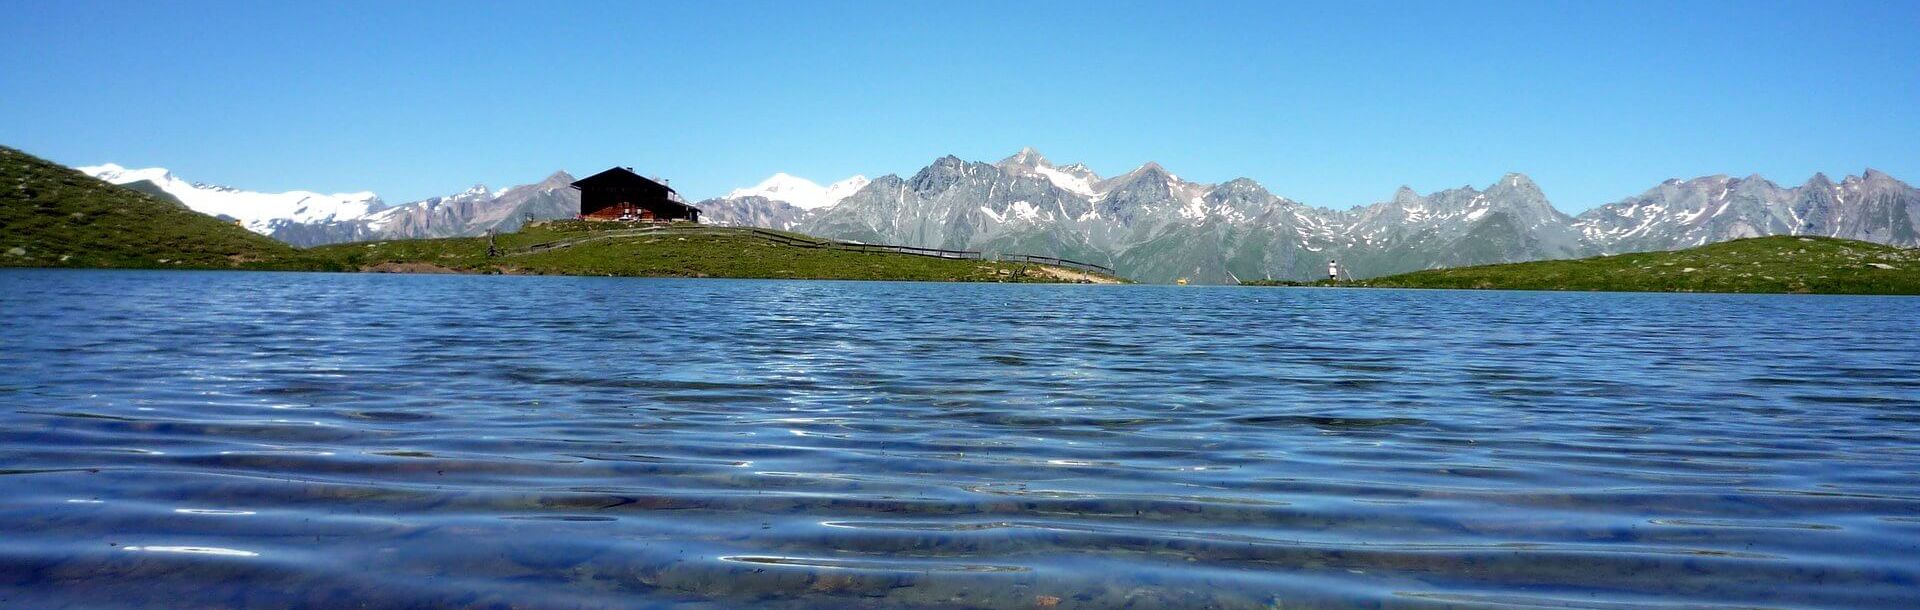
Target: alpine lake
{"points": [[305, 440]]}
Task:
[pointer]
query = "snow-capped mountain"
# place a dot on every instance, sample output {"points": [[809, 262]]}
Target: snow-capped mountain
{"points": [[752, 211], [800, 192], [478, 210], [782, 201], [1686, 213], [1152, 225], [262, 213], [304, 218], [1509, 221]]}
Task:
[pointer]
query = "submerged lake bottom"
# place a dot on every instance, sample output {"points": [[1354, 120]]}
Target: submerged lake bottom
{"points": [[266, 440]]}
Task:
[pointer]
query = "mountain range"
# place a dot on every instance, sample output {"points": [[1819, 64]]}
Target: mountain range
{"points": [[305, 218], [1149, 224]]}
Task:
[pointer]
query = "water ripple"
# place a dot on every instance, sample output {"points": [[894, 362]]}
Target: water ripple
{"points": [[254, 440]]}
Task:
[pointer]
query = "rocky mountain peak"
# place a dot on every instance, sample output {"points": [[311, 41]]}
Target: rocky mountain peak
{"points": [[1405, 196], [1146, 178], [1243, 194], [1516, 186], [1243, 184], [1756, 188], [1516, 180], [943, 173], [1877, 177], [1755, 182], [1148, 171], [1027, 157], [1083, 178]]}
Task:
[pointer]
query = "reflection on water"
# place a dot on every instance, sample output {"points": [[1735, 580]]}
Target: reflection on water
{"points": [[236, 440]]}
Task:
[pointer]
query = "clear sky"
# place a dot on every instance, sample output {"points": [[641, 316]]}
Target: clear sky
{"points": [[1333, 103]]}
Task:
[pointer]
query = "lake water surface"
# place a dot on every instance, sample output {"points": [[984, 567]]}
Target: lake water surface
{"points": [[256, 440]]}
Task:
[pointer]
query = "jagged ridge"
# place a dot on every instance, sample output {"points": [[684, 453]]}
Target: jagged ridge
{"points": [[1153, 226]]}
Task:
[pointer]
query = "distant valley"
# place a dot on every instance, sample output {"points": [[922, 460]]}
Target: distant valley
{"points": [[1149, 224]]}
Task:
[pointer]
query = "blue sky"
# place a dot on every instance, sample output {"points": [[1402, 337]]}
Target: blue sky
{"points": [[1333, 104]]}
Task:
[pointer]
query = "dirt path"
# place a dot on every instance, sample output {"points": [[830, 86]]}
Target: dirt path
{"points": [[1069, 275]]}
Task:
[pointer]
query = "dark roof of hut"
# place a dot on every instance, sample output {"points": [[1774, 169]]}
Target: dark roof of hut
{"points": [[619, 176]]}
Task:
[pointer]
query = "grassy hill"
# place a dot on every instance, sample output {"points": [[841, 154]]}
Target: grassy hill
{"points": [[679, 251], [1782, 263], [52, 216]]}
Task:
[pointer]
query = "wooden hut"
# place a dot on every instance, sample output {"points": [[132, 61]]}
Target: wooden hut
{"points": [[620, 194]]}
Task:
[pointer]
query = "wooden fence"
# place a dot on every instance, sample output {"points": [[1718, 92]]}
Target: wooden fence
{"points": [[1057, 262], [933, 252], [859, 247]]}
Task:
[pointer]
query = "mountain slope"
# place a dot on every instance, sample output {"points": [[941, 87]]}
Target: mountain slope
{"points": [[471, 212], [752, 211], [52, 216], [782, 201], [263, 213], [1510, 221]]}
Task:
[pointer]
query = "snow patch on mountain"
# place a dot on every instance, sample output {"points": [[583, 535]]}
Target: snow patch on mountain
{"points": [[1025, 210], [801, 192], [259, 212], [1081, 185]]}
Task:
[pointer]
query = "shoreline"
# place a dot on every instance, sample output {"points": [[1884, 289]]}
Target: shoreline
{"points": [[458, 272], [455, 272], [1779, 264]]}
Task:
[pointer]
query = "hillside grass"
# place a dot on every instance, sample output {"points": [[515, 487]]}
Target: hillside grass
{"points": [[680, 251], [1778, 264], [53, 216]]}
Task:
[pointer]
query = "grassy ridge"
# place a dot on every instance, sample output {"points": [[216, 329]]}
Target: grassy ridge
{"points": [[683, 251], [1778, 264], [52, 216]]}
